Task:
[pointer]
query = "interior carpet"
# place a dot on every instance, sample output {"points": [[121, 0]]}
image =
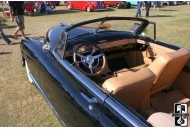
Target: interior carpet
{"points": [[118, 63]]}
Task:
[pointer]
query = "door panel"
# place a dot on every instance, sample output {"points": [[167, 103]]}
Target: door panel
{"points": [[65, 94], [154, 49], [116, 113], [78, 4], [151, 53], [136, 58]]}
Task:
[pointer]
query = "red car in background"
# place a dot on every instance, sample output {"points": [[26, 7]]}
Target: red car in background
{"points": [[118, 4], [86, 5]]}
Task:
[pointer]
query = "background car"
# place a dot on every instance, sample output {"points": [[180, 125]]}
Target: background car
{"points": [[55, 3], [86, 5], [118, 4], [175, 2], [133, 3]]}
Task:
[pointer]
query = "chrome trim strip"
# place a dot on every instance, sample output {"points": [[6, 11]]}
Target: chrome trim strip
{"points": [[38, 86]]}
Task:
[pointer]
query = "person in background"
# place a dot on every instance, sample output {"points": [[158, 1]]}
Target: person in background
{"points": [[48, 9], [17, 12], [139, 5], [156, 4], [43, 7], [143, 5], [147, 6], [2, 35]]}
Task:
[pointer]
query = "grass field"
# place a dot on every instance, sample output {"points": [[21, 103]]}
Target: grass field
{"points": [[20, 102]]}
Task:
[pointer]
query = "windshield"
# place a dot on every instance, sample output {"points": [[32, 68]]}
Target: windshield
{"points": [[99, 30], [102, 26]]}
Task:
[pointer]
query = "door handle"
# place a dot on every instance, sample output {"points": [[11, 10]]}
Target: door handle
{"points": [[90, 100]]}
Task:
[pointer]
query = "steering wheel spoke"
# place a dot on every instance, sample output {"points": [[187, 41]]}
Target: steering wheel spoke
{"points": [[81, 56], [97, 56], [91, 69], [92, 52]]}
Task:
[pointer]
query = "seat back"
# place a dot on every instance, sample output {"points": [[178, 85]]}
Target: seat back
{"points": [[167, 67], [133, 88]]}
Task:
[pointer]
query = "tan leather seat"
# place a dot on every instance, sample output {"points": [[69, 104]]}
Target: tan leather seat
{"points": [[161, 119], [133, 88], [167, 67]]}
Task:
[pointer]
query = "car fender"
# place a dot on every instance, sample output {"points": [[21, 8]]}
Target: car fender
{"points": [[69, 3], [33, 47], [86, 5]]}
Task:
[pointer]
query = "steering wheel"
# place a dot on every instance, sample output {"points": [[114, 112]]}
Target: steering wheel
{"points": [[90, 60]]}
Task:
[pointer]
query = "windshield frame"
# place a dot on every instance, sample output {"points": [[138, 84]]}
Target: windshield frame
{"points": [[138, 31]]}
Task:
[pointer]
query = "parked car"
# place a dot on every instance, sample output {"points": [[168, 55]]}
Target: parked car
{"points": [[133, 3], [118, 4], [55, 3], [174, 2], [106, 72], [86, 5]]}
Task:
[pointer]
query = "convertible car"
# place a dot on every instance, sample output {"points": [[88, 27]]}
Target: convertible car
{"points": [[88, 6], [108, 72]]}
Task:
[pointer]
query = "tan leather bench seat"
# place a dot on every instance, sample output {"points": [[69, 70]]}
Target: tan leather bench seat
{"points": [[133, 88]]}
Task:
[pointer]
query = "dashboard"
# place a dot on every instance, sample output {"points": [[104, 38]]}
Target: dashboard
{"points": [[109, 47]]}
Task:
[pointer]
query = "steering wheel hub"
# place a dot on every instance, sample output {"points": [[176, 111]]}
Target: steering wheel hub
{"points": [[90, 59]]}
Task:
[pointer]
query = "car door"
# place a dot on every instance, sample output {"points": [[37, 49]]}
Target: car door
{"points": [[117, 113], [78, 4], [110, 3], [75, 100]]}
